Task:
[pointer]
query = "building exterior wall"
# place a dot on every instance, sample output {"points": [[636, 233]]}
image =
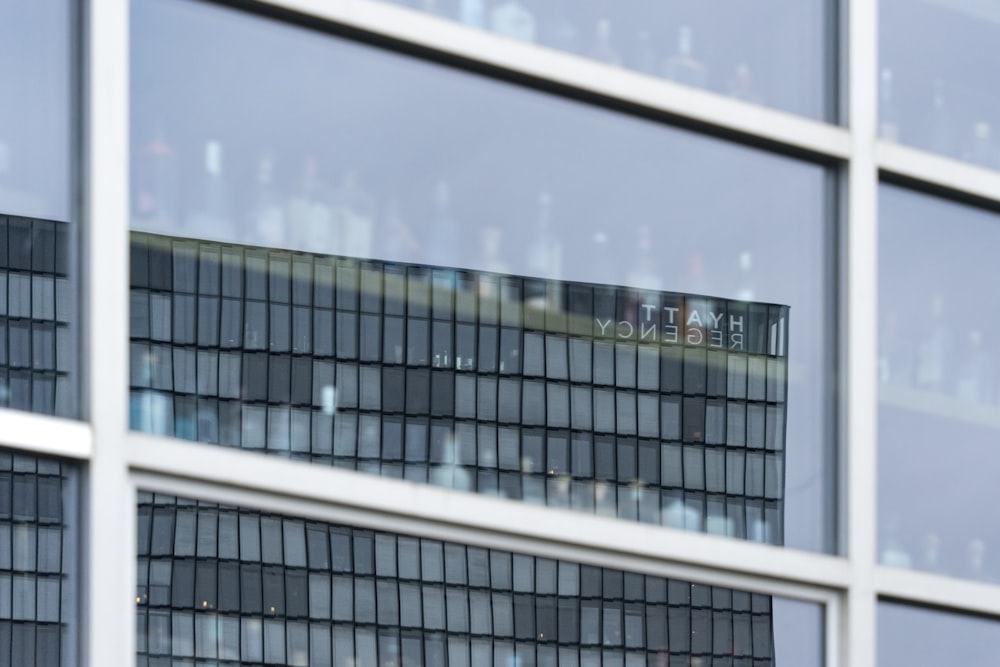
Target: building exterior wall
{"points": [[121, 374]]}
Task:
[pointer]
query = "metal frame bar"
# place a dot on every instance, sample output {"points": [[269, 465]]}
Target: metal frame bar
{"points": [[45, 435], [109, 501], [938, 591], [859, 396], [446, 514], [928, 169]]}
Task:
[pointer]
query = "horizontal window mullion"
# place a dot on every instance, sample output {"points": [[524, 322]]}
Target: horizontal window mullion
{"points": [[293, 487], [937, 590], [41, 434], [919, 167]]}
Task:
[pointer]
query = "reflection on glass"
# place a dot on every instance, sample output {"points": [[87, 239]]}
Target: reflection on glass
{"points": [[35, 146], [932, 95], [36, 349], [37, 561], [37, 352], [938, 385], [704, 360], [915, 636], [512, 19], [746, 52], [349, 597], [446, 232]]}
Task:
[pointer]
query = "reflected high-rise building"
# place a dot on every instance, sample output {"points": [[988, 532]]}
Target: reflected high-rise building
{"points": [[35, 303], [643, 405], [233, 586]]}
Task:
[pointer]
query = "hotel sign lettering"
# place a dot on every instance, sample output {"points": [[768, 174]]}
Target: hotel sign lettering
{"points": [[694, 327], [673, 318]]}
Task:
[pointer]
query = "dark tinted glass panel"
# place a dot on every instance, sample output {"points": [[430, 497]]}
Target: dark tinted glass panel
{"points": [[914, 636], [938, 384], [38, 549], [442, 412], [772, 52], [932, 93], [394, 600], [448, 311], [37, 301]]}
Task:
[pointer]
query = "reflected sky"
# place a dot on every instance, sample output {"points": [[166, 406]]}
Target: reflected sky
{"points": [[936, 59], [217, 582], [938, 417], [437, 166], [913, 636], [35, 115]]}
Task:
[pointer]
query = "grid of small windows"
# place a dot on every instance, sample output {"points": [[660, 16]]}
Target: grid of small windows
{"points": [[468, 380], [35, 301], [222, 585], [35, 591]]}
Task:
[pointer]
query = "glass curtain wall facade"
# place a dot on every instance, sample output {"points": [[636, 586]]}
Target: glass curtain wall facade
{"points": [[512, 285], [39, 546], [605, 402], [929, 92], [374, 333]]}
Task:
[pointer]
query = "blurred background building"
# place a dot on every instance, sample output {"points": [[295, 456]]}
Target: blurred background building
{"points": [[498, 332]]}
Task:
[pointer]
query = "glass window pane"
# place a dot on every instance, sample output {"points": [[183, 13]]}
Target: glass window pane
{"points": [[510, 604], [931, 92], [773, 53], [37, 299], [938, 384], [602, 325], [36, 56], [915, 636]]}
